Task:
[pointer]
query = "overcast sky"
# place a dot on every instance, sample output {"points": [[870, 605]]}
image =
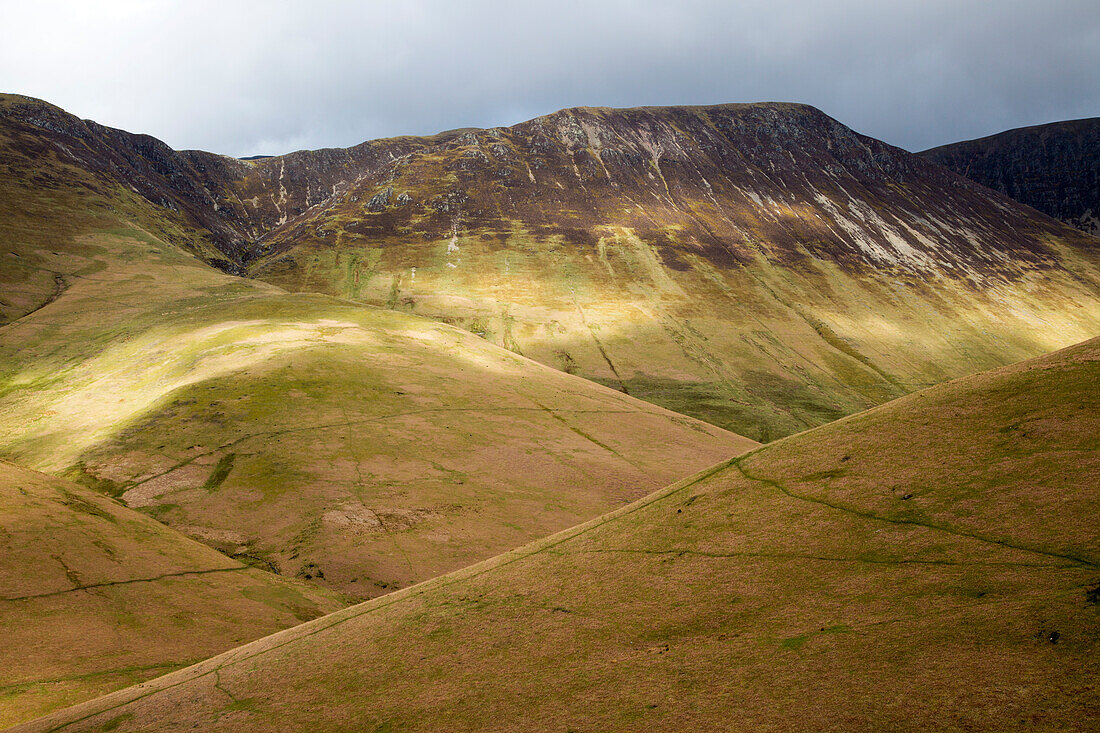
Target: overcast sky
{"points": [[269, 77]]}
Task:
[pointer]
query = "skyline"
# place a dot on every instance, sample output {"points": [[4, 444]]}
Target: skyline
{"points": [[248, 79]]}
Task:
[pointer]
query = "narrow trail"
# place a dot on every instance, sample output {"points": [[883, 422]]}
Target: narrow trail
{"points": [[170, 667], [574, 429], [550, 546], [600, 346], [110, 583], [822, 558], [59, 287]]}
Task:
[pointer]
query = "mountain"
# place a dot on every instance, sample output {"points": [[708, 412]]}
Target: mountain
{"points": [[761, 266], [95, 596], [357, 448], [862, 576], [928, 563], [61, 178], [1054, 168]]}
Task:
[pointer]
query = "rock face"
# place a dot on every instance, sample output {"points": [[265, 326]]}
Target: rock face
{"points": [[759, 266], [1054, 168]]}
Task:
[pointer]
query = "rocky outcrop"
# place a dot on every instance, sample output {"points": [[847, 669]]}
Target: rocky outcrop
{"points": [[723, 182], [718, 180], [1054, 168]]}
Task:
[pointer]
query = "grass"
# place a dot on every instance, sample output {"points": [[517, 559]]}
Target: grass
{"points": [[857, 574], [96, 596], [220, 473], [221, 405], [305, 434], [793, 583], [762, 357]]}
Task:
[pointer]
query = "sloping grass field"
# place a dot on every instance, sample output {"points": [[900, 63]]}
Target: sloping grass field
{"points": [[95, 596], [928, 565]]}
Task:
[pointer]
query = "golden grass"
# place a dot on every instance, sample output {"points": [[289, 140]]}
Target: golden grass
{"points": [[349, 446], [361, 448]]}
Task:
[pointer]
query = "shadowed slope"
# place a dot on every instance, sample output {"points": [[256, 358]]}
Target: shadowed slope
{"points": [[95, 596], [61, 178], [1054, 168], [932, 564]]}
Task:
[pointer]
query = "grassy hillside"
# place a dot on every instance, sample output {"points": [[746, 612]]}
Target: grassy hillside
{"points": [[932, 564], [355, 447], [95, 596]]}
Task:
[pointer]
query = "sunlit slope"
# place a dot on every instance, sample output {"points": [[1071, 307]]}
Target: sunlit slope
{"points": [[933, 564], [360, 448], [759, 266], [95, 596], [351, 447]]}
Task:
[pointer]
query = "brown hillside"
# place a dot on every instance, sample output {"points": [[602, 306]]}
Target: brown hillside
{"points": [[95, 596], [860, 576]]}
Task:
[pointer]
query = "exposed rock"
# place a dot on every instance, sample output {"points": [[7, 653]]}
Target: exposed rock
{"points": [[380, 200]]}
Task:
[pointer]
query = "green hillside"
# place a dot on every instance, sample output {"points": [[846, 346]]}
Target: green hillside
{"points": [[758, 266], [359, 448], [761, 267]]}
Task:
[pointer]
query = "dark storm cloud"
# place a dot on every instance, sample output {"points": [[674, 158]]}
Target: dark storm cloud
{"points": [[269, 77]]}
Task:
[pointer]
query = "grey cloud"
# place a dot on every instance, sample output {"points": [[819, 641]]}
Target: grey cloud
{"points": [[250, 77]]}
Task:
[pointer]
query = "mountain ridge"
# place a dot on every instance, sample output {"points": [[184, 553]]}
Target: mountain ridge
{"points": [[1051, 167], [228, 169], [656, 250]]}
